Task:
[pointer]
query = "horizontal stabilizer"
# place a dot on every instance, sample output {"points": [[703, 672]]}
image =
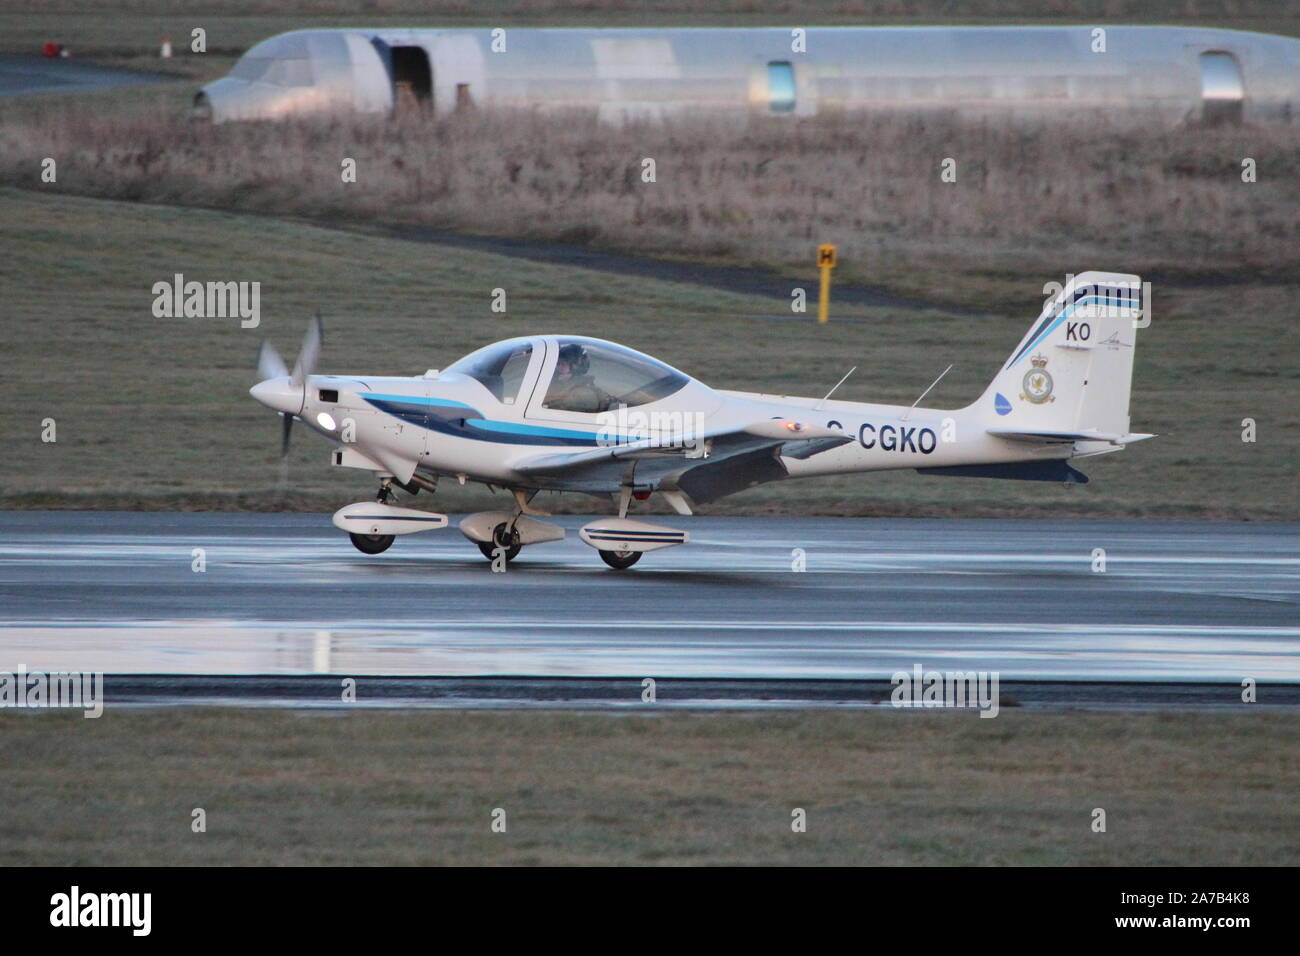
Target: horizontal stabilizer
{"points": [[1067, 437]]}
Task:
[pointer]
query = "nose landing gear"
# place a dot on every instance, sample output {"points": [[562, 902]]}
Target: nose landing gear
{"points": [[373, 525]]}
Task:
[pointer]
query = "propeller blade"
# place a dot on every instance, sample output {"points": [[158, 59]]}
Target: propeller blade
{"points": [[284, 434], [269, 363], [284, 451], [309, 353]]}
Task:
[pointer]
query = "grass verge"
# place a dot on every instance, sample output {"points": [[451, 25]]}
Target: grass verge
{"points": [[335, 787]]}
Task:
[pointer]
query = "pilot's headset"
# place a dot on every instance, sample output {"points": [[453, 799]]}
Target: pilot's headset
{"points": [[576, 356]]}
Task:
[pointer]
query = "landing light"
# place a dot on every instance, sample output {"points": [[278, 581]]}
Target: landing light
{"points": [[326, 421], [794, 426]]}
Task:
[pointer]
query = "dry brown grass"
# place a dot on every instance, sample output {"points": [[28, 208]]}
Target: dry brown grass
{"points": [[1120, 194]]}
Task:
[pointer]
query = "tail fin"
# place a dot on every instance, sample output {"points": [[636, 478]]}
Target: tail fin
{"points": [[1069, 378]]}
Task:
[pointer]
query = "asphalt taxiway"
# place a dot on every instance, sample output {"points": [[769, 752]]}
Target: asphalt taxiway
{"points": [[21, 75], [286, 595]]}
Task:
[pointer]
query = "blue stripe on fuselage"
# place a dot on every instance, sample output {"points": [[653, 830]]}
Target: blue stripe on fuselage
{"points": [[448, 417], [374, 397], [518, 428]]}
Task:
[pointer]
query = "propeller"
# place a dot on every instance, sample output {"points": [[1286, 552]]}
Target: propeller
{"points": [[309, 353], [275, 393], [269, 363]]}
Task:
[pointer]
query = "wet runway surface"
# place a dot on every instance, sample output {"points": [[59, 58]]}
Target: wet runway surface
{"points": [[288, 595]]}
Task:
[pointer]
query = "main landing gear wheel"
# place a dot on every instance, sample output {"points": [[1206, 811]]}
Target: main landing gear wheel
{"points": [[371, 543], [620, 562], [502, 537]]}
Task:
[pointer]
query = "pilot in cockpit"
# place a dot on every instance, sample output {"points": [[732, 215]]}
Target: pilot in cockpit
{"points": [[572, 387]]}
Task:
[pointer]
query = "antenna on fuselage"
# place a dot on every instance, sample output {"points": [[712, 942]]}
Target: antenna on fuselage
{"points": [[925, 393], [837, 385]]}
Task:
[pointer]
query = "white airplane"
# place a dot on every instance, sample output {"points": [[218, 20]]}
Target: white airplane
{"points": [[571, 413]]}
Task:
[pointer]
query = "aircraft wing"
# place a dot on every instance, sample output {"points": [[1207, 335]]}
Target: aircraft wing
{"points": [[1053, 437], [795, 439]]}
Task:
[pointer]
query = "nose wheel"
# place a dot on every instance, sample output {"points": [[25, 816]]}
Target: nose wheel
{"points": [[503, 536], [371, 543]]}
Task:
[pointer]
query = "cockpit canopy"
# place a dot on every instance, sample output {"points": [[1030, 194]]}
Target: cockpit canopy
{"points": [[300, 72], [288, 60], [499, 367], [586, 375]]}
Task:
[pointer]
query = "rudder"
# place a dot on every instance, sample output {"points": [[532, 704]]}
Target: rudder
{"points": [[1073, 370]]}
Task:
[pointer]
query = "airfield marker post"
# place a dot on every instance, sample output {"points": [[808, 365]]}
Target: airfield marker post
{"points": [[826, 262]]}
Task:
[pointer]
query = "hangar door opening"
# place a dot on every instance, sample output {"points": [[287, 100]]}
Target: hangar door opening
{"points": [[1222, 89], [412, 77]]}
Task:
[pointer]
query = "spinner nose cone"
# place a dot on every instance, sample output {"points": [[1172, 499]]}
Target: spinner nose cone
{"points": [[279, 394]]}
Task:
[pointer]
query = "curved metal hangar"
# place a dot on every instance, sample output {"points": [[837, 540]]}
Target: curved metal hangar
{"points": [[1182, 73]]}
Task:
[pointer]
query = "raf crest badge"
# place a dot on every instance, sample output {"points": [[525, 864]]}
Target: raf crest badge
{"points": [[1037, 383]]}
